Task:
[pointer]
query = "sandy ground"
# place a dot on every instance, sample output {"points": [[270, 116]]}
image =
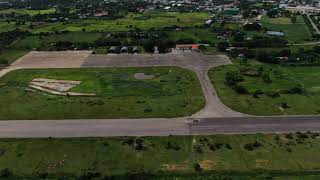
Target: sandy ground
{"points": [[52, 59]]}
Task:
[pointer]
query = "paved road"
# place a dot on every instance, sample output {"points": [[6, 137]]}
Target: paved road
{"points": [[157, 127], [313, 25]]}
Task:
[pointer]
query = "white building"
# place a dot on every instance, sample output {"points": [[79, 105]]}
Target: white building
{"points": [[303, 9]]}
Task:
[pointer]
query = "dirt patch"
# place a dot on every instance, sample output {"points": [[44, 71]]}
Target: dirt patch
{"points": [[174, 167], [142, 76], [53, 84], [262, 163], [57, 87], [207, 164]]}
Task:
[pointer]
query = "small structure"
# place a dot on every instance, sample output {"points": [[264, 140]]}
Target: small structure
{"points": [[113, 49], [209, 22], [275, 33], [124, 49], [303, 9], [135, 50], [192, 47]]}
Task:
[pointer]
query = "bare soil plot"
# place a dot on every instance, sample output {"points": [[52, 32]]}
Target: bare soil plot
{"points": [[52, 59], [57, 87]]}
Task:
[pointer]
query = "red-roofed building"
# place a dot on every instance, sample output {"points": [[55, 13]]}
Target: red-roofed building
{"points": [[194, 47]]}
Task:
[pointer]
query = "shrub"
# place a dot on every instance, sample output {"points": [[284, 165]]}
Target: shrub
{"points": [[257, 93], [273, 94], [139, 145], [5, 172], [297, 89], [284, 105], [266, 78], [302, 135], [89, 175], [289, 136], [248, 147], [241, 89], [197, 167], [148, 110], [252, 146], [4, 62], [233, 78], [198, 149], [173, 146]]}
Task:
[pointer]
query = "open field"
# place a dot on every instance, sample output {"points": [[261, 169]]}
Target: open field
{"points": [[283, 79], [173, 92], [142, 21], [294, 32], [197, 35], [238, 156], [28, 11], [43, 42]]}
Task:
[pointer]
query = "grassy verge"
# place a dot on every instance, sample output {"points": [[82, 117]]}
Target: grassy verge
{"points": [[274, 97], [291, 156], [12, 54], [172, 92], [297, 32]]}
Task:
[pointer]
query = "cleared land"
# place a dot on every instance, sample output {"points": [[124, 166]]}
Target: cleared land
{"points": [[276, 97], [173, 92], [241, 156], [294, 32]]}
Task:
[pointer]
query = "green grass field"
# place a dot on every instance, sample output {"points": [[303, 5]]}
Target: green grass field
{"points": [[28, 11], [172, 92], [272, 156], [142, 21], [12, 54], [43, 42], [195, 34], [283, 78], [296, 32]]}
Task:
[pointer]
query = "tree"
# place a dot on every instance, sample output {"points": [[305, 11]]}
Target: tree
{"points": [[149, 44], [222, 46], [233, 78]]}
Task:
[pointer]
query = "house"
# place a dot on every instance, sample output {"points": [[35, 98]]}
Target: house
{"points": [[192, 47]]}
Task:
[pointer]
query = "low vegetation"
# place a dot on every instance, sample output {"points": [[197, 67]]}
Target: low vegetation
{"points": [[172, 92], [264, 89], [228, 156]]}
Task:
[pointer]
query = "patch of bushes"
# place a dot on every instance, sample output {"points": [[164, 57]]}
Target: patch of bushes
{"points": [[4, 173], [3, 62], [173, 146], [252, 146]]}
